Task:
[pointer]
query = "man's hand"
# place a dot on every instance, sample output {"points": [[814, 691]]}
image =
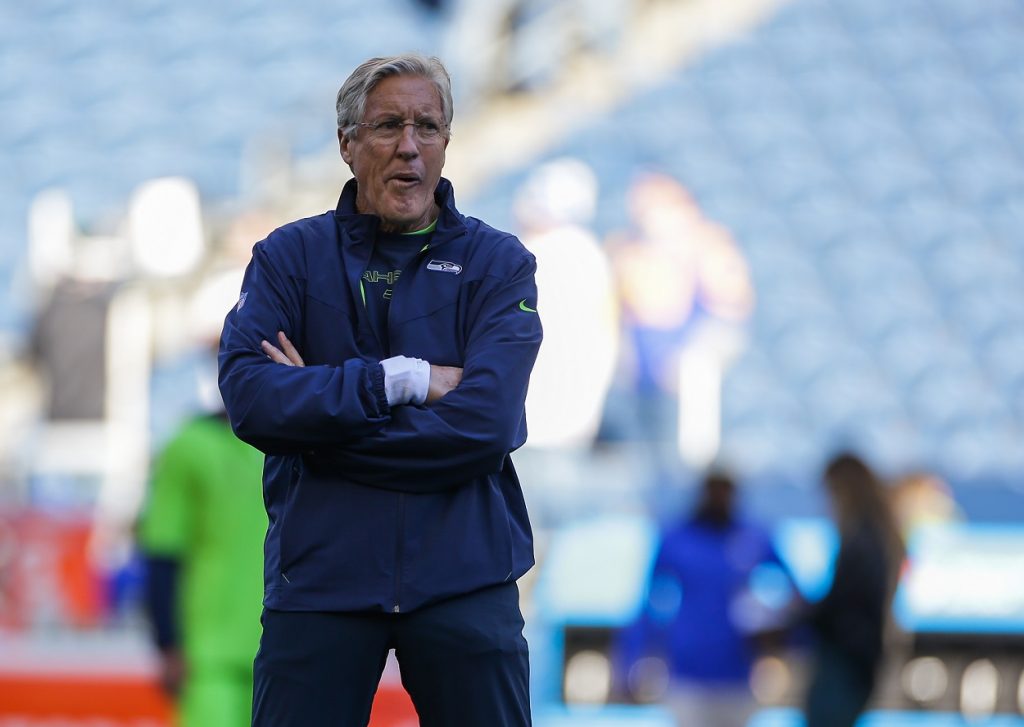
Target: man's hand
{"points": [[287, 354], [442, 380]]}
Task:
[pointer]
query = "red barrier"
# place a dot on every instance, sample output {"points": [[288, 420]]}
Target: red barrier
{"points": [[124, 701], [59, 669]]}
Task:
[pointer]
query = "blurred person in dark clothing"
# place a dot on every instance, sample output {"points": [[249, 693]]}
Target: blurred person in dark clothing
{"points": [[704, 615], [850, 621]]}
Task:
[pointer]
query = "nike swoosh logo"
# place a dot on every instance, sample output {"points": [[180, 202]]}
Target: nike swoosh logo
{"points": [[526, 308]]}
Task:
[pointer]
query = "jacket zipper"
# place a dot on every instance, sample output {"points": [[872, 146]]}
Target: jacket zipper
{"points": [[399, 542]]}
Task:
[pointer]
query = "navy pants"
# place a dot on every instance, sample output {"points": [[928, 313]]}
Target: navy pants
{"points": [[463, 661]]}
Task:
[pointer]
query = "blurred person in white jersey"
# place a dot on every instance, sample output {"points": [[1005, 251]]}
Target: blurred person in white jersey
{"points": [[577, 360]]}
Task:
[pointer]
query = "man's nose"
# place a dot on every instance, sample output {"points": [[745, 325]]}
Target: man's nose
{"points": [[407, 144]]}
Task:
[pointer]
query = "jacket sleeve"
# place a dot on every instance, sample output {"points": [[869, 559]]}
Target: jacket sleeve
{"points": [[284, 409], [470, 431]]}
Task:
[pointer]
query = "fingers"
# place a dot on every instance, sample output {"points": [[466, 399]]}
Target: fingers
{"points": [[274, 354], [442, 380], [290, 350], [289, 356]]}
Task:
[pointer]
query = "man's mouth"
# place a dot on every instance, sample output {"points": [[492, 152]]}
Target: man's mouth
{"points": [[406, 180]]}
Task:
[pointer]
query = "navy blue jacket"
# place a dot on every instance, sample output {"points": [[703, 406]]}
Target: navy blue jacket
{"points": [[371, 507]]}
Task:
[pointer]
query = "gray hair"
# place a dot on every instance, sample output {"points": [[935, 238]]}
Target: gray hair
{"points": [[351, 104]]}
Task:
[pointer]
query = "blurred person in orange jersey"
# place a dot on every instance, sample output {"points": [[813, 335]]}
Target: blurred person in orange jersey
{"points": [[850, 622], [685, 292]]}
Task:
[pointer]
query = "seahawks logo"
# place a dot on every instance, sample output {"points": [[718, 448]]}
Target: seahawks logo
{"points": [[443, 266]]}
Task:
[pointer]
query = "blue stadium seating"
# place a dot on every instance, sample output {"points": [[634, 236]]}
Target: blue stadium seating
{"points": [[867, 156], [99, 97]]}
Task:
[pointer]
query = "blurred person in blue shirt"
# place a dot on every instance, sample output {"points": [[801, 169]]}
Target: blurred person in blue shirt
{"points": [[716, 591]]}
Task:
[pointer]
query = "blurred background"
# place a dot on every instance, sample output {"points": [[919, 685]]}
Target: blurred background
{"points": [[767, 231]]}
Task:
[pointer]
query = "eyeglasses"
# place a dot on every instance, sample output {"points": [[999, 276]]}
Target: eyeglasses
{"points": [[390, 130]]}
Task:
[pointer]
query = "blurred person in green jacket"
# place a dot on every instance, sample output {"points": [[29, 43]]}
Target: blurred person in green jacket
{"points": [[201, 533]]}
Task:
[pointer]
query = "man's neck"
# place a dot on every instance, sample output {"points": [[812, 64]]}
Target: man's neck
{"points": [[417, 229]]}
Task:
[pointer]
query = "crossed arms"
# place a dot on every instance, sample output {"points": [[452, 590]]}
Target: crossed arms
{"points": [[442, 378], [337, 416]]}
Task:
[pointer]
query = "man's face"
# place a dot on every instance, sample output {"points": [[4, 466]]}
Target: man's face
{"points": [[397, 178]]}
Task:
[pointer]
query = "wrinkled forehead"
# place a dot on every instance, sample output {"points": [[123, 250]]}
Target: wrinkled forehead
{"points": [[405, 93]]}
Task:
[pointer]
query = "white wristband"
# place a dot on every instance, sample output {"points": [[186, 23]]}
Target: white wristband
{"points": [[406, 380]]}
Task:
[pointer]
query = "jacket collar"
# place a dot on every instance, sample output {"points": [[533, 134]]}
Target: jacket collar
{"points": [[363, 227], [357, 233]]}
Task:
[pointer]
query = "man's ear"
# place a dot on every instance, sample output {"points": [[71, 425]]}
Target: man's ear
{"points": [[344, 144]]}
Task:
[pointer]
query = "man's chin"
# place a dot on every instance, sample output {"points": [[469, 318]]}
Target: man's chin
{"points": [[401, 224]]}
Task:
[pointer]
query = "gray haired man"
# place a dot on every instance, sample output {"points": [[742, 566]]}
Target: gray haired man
{"points": [[379, 356]]}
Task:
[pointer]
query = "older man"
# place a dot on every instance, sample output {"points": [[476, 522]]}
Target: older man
{"points": [[379, 355]]}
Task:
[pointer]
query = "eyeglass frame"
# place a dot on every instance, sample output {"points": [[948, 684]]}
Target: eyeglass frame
{"points": [[374, 127]]}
